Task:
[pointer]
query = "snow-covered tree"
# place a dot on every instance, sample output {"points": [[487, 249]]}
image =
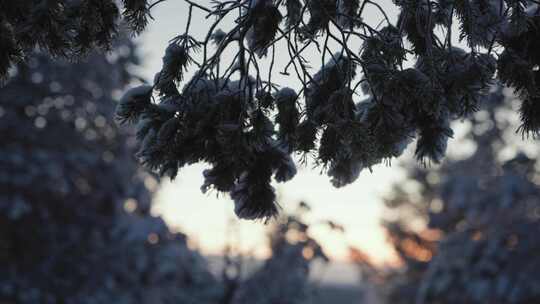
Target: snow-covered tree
{"points": [[466, 233], [232, 114], [75, 225]]}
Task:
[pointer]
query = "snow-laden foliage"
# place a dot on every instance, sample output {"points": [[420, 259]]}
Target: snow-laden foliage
{"points": [[263, 18], [75, 223], [407, 81], [481, 216], [246, 127], [65, 28]]}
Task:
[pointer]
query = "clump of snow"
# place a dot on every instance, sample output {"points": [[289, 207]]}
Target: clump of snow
{"points": [[136, 93]]}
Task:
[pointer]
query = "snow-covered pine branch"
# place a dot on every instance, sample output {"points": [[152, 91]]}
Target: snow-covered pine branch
{"points": [[247, 127], [407, 80]]}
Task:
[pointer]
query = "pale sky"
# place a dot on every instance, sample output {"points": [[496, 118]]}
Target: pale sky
{"points": [[206, 218]]}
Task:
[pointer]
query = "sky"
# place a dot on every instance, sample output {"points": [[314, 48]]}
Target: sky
{"points": [[209, 219]]}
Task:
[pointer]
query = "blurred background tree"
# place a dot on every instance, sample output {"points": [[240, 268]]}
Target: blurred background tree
{"points": [[466, 232], [284, 277], [74, 207]]}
